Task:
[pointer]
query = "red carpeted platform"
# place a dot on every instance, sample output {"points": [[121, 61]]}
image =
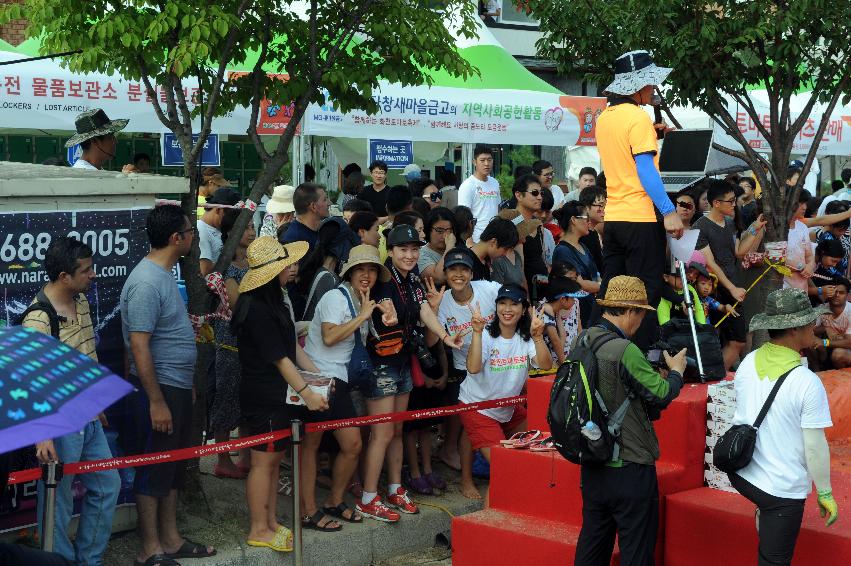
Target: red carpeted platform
{"points": [[707, 527]]}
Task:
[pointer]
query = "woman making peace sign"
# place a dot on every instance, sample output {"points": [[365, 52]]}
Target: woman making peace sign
{"points": [[514, 339]]}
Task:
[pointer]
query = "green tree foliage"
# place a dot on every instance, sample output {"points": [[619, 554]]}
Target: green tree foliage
{"points": [[719, 49]]}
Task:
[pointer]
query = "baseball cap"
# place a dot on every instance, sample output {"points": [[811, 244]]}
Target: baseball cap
{"points": [[223, 197], [700, 268], [458, 256], [513, 292], [403, 234]]}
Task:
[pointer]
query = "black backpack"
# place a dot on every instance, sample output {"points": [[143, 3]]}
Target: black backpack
{"points": [[575, 401], [677, 334], [42, 303]]}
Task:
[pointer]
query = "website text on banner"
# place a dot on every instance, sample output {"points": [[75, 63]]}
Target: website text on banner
{"points": [[211, 449]]}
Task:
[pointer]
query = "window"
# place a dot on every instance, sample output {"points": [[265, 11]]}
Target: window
{"points": [[512, 14]]}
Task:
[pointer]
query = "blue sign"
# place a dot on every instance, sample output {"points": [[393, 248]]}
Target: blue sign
{"points": [[75, 152], [397, 154], [173, 155]]}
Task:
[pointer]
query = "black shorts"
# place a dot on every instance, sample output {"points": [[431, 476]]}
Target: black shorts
{"points": [[158, 479], [453, 386], [340, 405], [423, 398], [734, 328], [261, 420]]}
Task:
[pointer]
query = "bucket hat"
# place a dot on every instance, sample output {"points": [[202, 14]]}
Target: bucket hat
{"points": [[786, 308], [94, 123], [627, 293], [525, 227], [634, 71], [365, 253], [281, 201], [267, 258]]}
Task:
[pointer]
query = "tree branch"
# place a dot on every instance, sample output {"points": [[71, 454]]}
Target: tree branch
{"points": [[747, 104], [341, 43], [257, 76], [152, 93]]}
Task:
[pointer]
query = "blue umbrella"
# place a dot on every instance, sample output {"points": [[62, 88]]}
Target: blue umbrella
{"points": [[48, 389]]}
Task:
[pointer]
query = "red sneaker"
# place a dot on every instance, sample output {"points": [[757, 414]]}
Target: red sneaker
{"points": [[378, 511], [402, 502]]}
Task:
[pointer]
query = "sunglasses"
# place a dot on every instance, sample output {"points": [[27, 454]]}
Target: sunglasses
{"points": [[434, 197], [534, 193], [684, 204]]}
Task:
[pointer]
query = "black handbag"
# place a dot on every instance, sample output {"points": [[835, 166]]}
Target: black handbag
{"points": [[735, 448], [677, 333], [360, 366]]}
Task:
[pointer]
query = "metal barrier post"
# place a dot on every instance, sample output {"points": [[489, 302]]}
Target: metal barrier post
{"points": [[51, 474], [296, 429]]}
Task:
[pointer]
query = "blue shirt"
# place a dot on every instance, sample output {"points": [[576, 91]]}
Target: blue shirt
{"points": [[298, 232], [151, 303]]}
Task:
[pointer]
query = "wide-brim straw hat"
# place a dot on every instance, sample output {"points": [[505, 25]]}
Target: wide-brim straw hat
{"points": [[525, 227], [267, 257], [281, 201], [365, 253], [626, 292], [634, 71], [92, 124], [787, 308]]}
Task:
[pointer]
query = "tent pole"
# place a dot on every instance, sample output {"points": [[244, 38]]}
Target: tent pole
{"points": [[51, 474], [466, 161], [297, 167]]}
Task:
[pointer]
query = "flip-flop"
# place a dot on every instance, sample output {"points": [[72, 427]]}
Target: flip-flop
{"points": [[157, 560], [521, 439], [190, 549], [338, 512], [545, 445], [281, 542], [312, 523]]}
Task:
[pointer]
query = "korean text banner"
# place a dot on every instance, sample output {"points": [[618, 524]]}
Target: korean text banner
{"points": [[454, 114]]}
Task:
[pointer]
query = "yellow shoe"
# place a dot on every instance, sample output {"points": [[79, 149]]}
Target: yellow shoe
{"points": [[283, 541]]}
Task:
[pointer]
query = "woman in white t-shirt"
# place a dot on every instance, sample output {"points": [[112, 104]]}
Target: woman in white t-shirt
{"points": [[330, 342], [498, 365]]}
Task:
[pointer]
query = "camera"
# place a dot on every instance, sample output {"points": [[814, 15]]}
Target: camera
{"points": [[657, 360], [420, 350]]}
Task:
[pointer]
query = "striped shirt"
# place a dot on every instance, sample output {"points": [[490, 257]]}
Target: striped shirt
{"points": [[78, 334]]}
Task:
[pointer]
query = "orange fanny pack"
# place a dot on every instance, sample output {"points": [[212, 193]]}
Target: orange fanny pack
{"points": [[389, 344]]}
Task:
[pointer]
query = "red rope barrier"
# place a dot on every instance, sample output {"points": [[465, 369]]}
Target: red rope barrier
{"points": [[74, 468]]}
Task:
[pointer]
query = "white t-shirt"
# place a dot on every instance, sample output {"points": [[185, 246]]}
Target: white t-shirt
{"points": [[456, 318], [505, 368], [331, 361], [840, 325], [558, 196], [779, 466], [482, 197], [210, 241], [83, 164]]}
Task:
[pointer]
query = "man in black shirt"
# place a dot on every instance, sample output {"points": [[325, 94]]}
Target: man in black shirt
{"points": [[593, 199], [376, 193], [527, 191], [498, 238]]}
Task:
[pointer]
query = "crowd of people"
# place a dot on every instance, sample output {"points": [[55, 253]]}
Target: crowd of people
{"points": [[421, 295]]}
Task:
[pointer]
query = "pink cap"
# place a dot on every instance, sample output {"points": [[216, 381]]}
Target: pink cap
{"points": [[698, 257]]}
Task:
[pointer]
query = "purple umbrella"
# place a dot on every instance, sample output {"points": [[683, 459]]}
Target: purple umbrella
{"points": [[48, 389]]}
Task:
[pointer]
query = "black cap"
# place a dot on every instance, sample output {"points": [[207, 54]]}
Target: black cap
{"points": [[699, 267], [224, 196], [403, 234], [514, 292], [458, 256]]}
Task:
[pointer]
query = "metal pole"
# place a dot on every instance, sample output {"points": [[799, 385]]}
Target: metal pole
{"points": [[690, 308], [296, 429], [51, 474]]}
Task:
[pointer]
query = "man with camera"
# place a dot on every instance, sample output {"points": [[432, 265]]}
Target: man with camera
{"points": [[622, 497]]}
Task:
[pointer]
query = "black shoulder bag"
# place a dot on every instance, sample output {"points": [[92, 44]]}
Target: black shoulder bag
{"points": [[735, 448]]}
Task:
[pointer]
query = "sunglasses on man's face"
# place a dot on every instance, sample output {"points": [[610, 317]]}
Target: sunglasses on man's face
{"points": [[685, 204], [434, 197], [534, 193]]}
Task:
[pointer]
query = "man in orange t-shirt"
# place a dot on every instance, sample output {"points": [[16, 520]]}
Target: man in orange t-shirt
{"points": [[634, 239]]}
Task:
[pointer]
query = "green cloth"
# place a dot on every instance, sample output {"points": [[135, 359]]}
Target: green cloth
{"points": [[663, 311], [772, 360]]}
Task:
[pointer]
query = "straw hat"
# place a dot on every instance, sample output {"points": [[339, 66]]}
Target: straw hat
{"points": [[625, 292], [267, 258], [365, 253], [281, 201], [786, 308], [525, 228]]}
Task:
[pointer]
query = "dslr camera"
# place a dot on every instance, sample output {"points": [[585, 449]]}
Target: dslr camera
{"points": [[418, 347], [657, 360]]}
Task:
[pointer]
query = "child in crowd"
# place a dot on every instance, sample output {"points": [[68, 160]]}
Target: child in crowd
{"points": [[674, 306], [560, 303], [498, 365], [829, 255], [704, 286]]}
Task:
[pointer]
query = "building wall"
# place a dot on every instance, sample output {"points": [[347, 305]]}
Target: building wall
{"points": [[13, 32]]}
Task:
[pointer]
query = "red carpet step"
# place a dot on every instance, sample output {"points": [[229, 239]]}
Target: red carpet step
{"points": [[496, 538], [708, 527]]}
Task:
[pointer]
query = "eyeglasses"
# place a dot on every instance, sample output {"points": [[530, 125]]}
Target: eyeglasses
{"points": [[434, 197], [549, 175], [193, 229], [730, 201], [534, 193], [684, 204], [583, 217], [441, 231]]}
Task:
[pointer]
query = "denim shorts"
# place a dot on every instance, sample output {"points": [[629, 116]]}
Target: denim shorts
{"points": [[388, 380]]}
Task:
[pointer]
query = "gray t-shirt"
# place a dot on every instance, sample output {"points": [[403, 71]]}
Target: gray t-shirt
{"points": [[151, 303], [507, 273], [722, 242], [428, 257], [210, 241]]}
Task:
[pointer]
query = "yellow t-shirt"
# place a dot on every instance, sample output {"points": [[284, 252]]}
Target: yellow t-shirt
{"points": [[79, 334], [624, 131]]}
